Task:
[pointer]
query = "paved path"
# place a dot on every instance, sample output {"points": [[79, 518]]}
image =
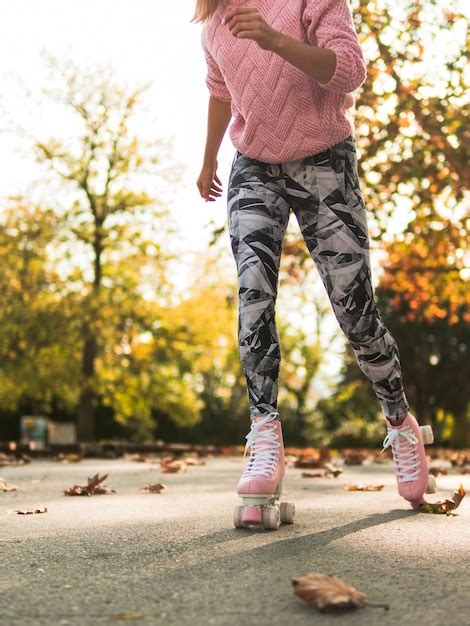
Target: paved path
{"points": [[176, 559]]}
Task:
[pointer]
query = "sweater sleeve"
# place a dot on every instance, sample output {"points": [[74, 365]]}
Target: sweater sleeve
{"points": [[214, 79], [329, 24]]}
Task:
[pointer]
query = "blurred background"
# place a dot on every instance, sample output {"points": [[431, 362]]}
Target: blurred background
{"points": [[118, 309]]}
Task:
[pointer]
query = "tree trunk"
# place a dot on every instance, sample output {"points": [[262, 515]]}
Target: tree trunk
{"points": [[86, 425], [86, 404]]}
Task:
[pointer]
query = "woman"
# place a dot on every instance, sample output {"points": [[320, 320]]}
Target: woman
{"points": [[286, 71]]}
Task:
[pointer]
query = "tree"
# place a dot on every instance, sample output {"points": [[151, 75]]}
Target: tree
{"points": [[110, 214], [37, 333]]}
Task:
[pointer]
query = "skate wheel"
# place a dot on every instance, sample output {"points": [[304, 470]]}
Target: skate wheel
{"points": [[252, 515], [287, 512], [271, 517], [431, 486], [238, 517], [427, 434]]}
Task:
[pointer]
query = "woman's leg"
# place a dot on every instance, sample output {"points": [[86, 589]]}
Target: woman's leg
{"points": [[257, 219], [326, 199]]}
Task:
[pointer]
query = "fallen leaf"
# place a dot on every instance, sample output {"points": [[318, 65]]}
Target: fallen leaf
{"points": [[71, 457], [361, 487], [157, 488], [326, 471], [170, 465], [332, 470], [4, 486], [355, 457], [194, 460], [445, 506], [309, 461], [137, 457], [329, 593], [30, 511], [93, 487]]}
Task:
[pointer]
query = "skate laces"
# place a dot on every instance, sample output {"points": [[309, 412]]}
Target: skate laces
{"points": [[263, 457], [405, 452]]}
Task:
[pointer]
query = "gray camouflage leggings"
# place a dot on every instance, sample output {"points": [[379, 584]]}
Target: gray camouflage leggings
{"points": [[323, 191]]}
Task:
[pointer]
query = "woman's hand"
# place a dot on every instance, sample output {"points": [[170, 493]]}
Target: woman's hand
{"points": [[246, 22], [205, 183]]}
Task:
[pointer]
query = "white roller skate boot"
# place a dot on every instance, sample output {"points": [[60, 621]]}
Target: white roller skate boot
{"points": [[407, 441], [260, 485]]}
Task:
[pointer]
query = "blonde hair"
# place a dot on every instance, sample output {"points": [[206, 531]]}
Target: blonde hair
{"points": [[205, 9]]}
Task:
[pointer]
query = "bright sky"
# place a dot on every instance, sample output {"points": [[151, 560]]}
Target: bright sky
{"points": [[144, 40]]}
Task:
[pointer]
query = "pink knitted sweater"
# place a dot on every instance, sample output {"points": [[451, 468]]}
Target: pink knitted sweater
{"points": [[279, 113]]}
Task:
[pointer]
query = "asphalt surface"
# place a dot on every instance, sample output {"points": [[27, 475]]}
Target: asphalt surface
{"points": [[175, 558]]}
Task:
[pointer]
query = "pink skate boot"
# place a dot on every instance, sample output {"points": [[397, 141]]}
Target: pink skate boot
{"points": [[411, 467], [260, 485]]}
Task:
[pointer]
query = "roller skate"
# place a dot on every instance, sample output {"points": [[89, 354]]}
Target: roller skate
{"points": [[260, 485], [407, 441]]}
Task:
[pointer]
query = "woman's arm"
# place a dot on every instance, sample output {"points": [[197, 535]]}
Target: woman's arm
{"points": [[333, 55], [218, 117]]}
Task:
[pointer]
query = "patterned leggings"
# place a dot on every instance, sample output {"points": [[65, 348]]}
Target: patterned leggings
{"points": [[323, 191]]}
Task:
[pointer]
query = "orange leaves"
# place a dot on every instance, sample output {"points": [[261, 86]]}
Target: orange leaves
{"points": [[94, 487], [363, 487], [71, 457], [445, 506], [423, 277], [329, 593]]}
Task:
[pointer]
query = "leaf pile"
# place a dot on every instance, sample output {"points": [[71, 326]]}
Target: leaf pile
{"points": [[329, 593], [11, 459], [362, 487], [445, 506], [94, 487]]}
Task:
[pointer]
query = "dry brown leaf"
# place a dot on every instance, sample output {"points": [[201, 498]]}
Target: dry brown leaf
{"points": [[362, 487], [313, 475], [437, 470], [332, 470], [194, 460], [156, 488], [445, 506], [71, 457], [329, 593], [355, 456], [170, 465], [4, 486], [94, 487], [30, 511], [309, 461], [137, 457]]}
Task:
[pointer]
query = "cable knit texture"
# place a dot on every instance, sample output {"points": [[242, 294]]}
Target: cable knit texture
{"points": [[279, 113]]}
